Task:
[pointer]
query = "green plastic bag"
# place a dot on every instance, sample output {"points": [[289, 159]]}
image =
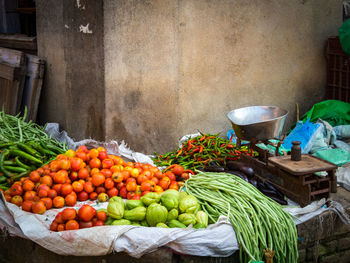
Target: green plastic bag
{"points": [[337, 156], [335, 112], [344, 36]]}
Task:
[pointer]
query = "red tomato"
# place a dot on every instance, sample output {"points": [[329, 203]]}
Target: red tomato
{"points": [[178, 170], [109, 183], [83, 196], [101, 215], [171, 175], [72, 225], [112, 192], [107, 163], [102, 155], [76, 163], [86, 213], [130, 195], [69, 214], [16, 189], [123, 192], [85, 224]]}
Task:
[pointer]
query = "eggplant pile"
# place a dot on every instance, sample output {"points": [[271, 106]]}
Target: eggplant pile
{"points": [[247, 173]]}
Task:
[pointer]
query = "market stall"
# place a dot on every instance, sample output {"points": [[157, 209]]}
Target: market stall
{"points": [[209, 197]]}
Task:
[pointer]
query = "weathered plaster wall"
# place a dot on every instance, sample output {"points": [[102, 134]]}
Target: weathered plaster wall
{"points": [[70, 38], [175, 67], [153, 70]]}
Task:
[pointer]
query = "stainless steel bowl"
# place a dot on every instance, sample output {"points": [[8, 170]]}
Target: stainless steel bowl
{"points": [[258, 122]]}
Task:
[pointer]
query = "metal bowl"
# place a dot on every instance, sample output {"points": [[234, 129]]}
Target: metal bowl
{"points": [[258, 122]]}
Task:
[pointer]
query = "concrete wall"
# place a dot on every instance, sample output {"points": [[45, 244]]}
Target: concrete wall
{"points": [[174, 67]]}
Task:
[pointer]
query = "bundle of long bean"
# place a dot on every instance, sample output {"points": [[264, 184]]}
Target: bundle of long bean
{"points": [[199, 151], [16, 129], [259, 222]]}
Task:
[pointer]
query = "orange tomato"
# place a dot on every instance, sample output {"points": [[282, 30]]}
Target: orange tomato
{"points": [[130, 195], [100, 189], [107, 163], [131, 179], [138, 190], [66, 189], [16, 200], [93, 196], [178, 170], [38, 207], [95, 163], [59, 219], [52, 193], [116, 168], [73, 176], [155, 180], [89, 187], [131, 186], [81, 155], [64, 164], [98, 179], [82, 148], [148, 174], [60, 227], [47, 201], [112, 192], [158, 174], [46, 180], [60, 177], [164, 183], [170, 175], [29, 196], [70, 199], [146, 186], [77, 186], [16, 189], [173, 185], [8, 197], [126, 174], [141, 178], [27, 206], [101, 149], [34, 176], [101, 215], [70, 153], [76, 163], [57, 188], [69, 214], [102, 197], [86, 213], [117, 177], [145, 192], [107, 173], [28, 185], [134, 172], [158, 189], [109, 183], [85, 224], [72, 225], [93, 153], [83, 173], [58, 202], [54, 166], [53, 226]]}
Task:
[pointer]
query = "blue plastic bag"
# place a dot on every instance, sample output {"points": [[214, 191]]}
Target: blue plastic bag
{"points": [[304, 133]]}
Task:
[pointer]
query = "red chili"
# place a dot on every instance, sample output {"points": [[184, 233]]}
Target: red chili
{"points": [[169, 167], [188, 171], [202, 138], [229, 146]]}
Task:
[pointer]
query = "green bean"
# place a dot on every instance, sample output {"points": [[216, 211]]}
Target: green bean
{"points": [[258, 221]]}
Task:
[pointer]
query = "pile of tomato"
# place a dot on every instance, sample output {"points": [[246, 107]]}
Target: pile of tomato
{"points": [[89, 174], [85, 217]]}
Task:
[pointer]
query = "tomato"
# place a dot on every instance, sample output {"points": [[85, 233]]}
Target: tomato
{"points": [[120, 185], [126, 174], [66, 189], [155, 180], [109, 183], [102, 197], [57, 188], [107, 173], [117, 177], [29, 196], [54, 166], [131, 179], [27, 206], [83, 173], [42, 192], [28, 185], [77, 186], [34, 176], [130, 164], [112, 192], [86, 213], [130, 195], [69, 214], [148, 174], [89, 187], [116, 168], [134, 172], [71, 199], [178, 170], [170, 175], [100, 189], [16, 189], [138, 190], [58, 202], [131, 186], [73, 176], [85, 224], [60, 177], [136, 197], [47, 201], [145, 192], [93, 153], [158, 189], [38, 207], [64, 164], [93, 196], [59, 219], [53, 226], [123, 192], [70, 153], [107, 163], [72, 225], [81, 155], [101, 149], [98, 179], [101, 215], [83, 196], [141, 178], [158, 174], [76, 164], [164, 183], [146, 186], [82, 148], [95, 163], [173, 185], [60, 227], [185, 176]]}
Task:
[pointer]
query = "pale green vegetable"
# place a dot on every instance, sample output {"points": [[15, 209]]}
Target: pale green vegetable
{"points": [[162, 225], [202, 218], [136, 214], [115, 208], [155, 214], [172, 214], [170, 199], [150, 198], [189, 204], [187, 219]]}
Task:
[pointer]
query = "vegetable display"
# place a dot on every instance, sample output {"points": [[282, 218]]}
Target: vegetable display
{"points": [[88, 174], [200, 151], [258, 221]]}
